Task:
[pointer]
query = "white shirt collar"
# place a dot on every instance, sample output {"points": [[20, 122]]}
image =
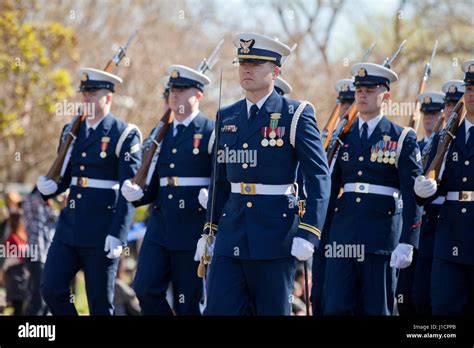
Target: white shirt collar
{"points": [[468, 125], [187, 120], [370, 124], [94, 127], [259, 103], [426, 139]]}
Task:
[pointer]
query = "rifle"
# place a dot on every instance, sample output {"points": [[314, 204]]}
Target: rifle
{"points": [[332, 121], [429, 145], [54, 172], [165, 122], [206, 259], [445, 138], [346, 123], [415, 119]]}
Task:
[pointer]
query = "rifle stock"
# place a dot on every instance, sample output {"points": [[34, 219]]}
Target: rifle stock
{"points": [[142, 173], [330, 125], [446, 136], [340, 133]]}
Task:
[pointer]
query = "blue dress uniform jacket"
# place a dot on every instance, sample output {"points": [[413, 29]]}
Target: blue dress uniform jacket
{"points": [[93, 213], [454, 238], [176, 217], [175, 221], [452, 275], [378, 222], [252, 268], [262, 227]]}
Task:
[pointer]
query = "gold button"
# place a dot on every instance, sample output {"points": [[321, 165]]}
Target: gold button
{"points": [[466, 163], [174, 150], [245, 165], [389, 213], [172, 165], [82, 167], [83, 154], [464, 179], [284, 215], [463, 210], [199, 209], [361, 158], [249, 204], [358, 199], [223, 214], [79, 196], [336, 209], [170, 196], [359, 173], [245, 145]]}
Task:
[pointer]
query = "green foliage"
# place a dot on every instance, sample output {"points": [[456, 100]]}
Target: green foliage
{"points": [[30, 77]]}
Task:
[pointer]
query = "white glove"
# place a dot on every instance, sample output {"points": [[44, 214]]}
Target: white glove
{"points": [[402, 256], [425, 187], [46, 186], [131, 192], [302, 249], [201, 246], [113, 246], [203, 197]]}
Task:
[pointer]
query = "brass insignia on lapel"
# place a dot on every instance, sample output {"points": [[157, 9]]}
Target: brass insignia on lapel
{"points": [[455, 157], [345, 157], [246, 45]]}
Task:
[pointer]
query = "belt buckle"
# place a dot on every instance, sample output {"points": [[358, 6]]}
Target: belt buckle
{"points": [[82, 181], [361, 187], [248, 189], [465, 196], [172, 180]]}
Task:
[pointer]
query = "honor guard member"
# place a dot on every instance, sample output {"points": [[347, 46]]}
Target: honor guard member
{"points": [[431, 106], [176, 215], [93, 227], [452, 277], [256, 211], [372, 230], [453, 92], [345, 96]]}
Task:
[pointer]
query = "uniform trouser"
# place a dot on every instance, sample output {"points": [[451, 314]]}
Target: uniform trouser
{"points": [[422, 286], [317, 290], [36, 304], [62, 264], [404, 292], [157, 267], [359, 287], [242, 287], [452, 288]]}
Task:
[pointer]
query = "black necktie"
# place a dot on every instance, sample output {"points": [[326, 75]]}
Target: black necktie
{"points": [[364, 137], [90, 131], [470, 140], [253, 113], [179, 131]]}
